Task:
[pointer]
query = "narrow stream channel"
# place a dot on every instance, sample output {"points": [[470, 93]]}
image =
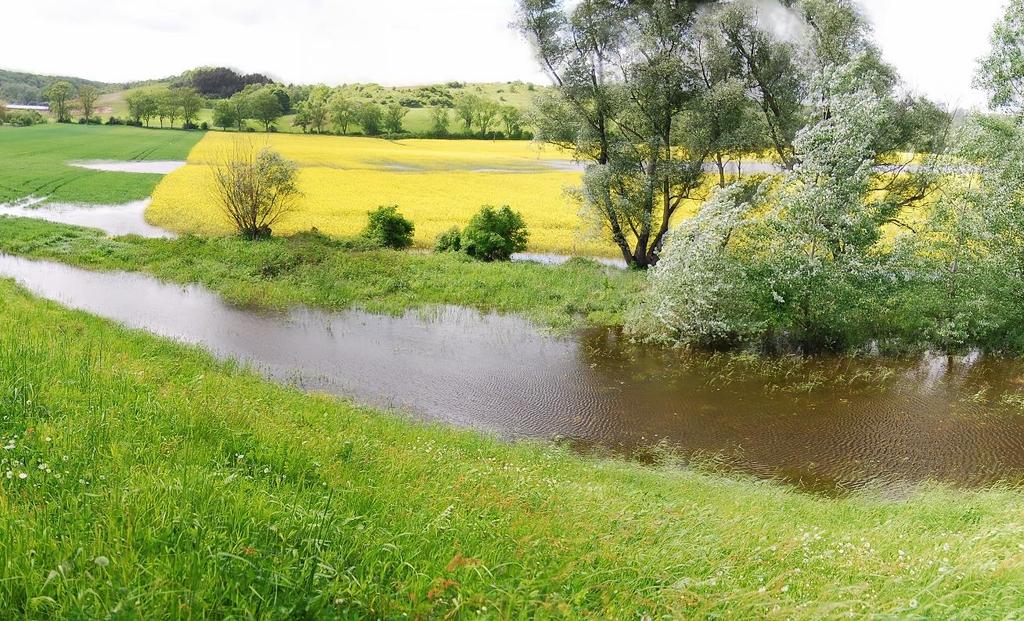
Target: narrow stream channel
{"points": [[834, 424]]}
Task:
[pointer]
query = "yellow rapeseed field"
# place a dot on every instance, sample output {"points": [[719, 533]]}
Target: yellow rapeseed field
{"points": [[436, 183]]}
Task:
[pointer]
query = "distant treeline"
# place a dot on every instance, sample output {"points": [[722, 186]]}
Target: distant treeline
{"points": [[28, 88], [237, 99], [219, 82]]}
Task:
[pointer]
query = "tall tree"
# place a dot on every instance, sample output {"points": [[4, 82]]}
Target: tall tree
{"points": [[342, 111], [266, 107], [1001, 72], [59, 95], [224, 114], [771, 70], [512, 117], [191, 103], [168, 106], [623, 78], [370, 118], [87, 96], [726, 121], [393, 116], [486, 113], [241, 108], [466, 109], [440, 119], [143, 105], [315, 108]]}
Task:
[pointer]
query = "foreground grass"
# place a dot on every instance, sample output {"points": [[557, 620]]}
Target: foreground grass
{"points": [[316, 271], [140, 479], [35, 161]]}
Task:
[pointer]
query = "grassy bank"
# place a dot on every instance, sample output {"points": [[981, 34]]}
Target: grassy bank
{"points": [[317, 271], [140, 479], [36, 161]]}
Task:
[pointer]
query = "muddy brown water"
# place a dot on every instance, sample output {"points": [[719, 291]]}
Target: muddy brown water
{"points": [[826, 425]]}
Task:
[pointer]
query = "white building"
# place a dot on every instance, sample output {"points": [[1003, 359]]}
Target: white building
{"points": [[28, 107]]}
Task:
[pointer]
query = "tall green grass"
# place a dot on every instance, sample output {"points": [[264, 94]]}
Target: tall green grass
{"points": [[141, 479], [317, 271], [34, 161]]}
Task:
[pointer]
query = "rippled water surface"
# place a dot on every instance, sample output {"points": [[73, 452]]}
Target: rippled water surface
{"points": [[827, 425]]}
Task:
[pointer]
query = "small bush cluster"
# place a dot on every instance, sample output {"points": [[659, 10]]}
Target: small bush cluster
{"points": [[449, 241], [25, 118], [491, 235], [389, 229]]}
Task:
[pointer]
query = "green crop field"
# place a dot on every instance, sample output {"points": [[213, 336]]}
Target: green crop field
{"points": [[35, 161]]}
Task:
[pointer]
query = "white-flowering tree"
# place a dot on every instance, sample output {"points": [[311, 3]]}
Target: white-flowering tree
{"points": [[823, 224], [797, 262], [699, 293]]}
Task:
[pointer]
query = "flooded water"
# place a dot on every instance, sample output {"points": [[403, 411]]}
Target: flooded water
{"points": [[156, 167], [130, 219], [126, 219], [829, 425], [560, 259]]}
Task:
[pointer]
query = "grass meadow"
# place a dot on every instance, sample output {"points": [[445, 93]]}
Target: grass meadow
{"points": [[36, 161], [142, 479], [436, 183]]}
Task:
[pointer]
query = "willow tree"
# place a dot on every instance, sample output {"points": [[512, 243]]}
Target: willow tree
{"points": [[1001, 72], [625, 74]]}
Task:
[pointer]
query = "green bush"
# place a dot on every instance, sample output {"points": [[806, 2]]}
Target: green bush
{"points": [[495, 234], [449, 241], [388, 228], [25, 118]]}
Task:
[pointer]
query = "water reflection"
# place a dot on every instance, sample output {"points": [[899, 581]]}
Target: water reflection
{"points": [[115, 220]]}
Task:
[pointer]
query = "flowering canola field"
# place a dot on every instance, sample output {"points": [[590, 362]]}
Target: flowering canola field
{"points": [[436, 183]]}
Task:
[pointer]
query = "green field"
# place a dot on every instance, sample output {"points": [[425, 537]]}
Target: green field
{"points": [[316, 271], [36, 161], [140, 479]]}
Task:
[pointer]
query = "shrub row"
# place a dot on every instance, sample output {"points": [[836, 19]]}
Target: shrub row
{"points": [[491, 235]]}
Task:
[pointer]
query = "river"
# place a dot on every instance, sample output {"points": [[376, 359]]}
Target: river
{"points": [[826, 424]]}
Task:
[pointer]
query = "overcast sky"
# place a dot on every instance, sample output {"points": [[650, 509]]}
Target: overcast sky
{"points": [[934, 43]]}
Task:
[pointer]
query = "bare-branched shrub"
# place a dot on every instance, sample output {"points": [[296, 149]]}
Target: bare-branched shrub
{"points": [[256, 188]]}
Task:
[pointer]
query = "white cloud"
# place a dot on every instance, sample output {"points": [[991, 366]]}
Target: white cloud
{"points": [[398, 42], [934, 43]]}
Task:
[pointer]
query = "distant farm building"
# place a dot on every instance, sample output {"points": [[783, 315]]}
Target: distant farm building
{"points": [[28, 107]]}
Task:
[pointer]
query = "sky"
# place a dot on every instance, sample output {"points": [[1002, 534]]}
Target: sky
{"points": [[934, 43]]}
